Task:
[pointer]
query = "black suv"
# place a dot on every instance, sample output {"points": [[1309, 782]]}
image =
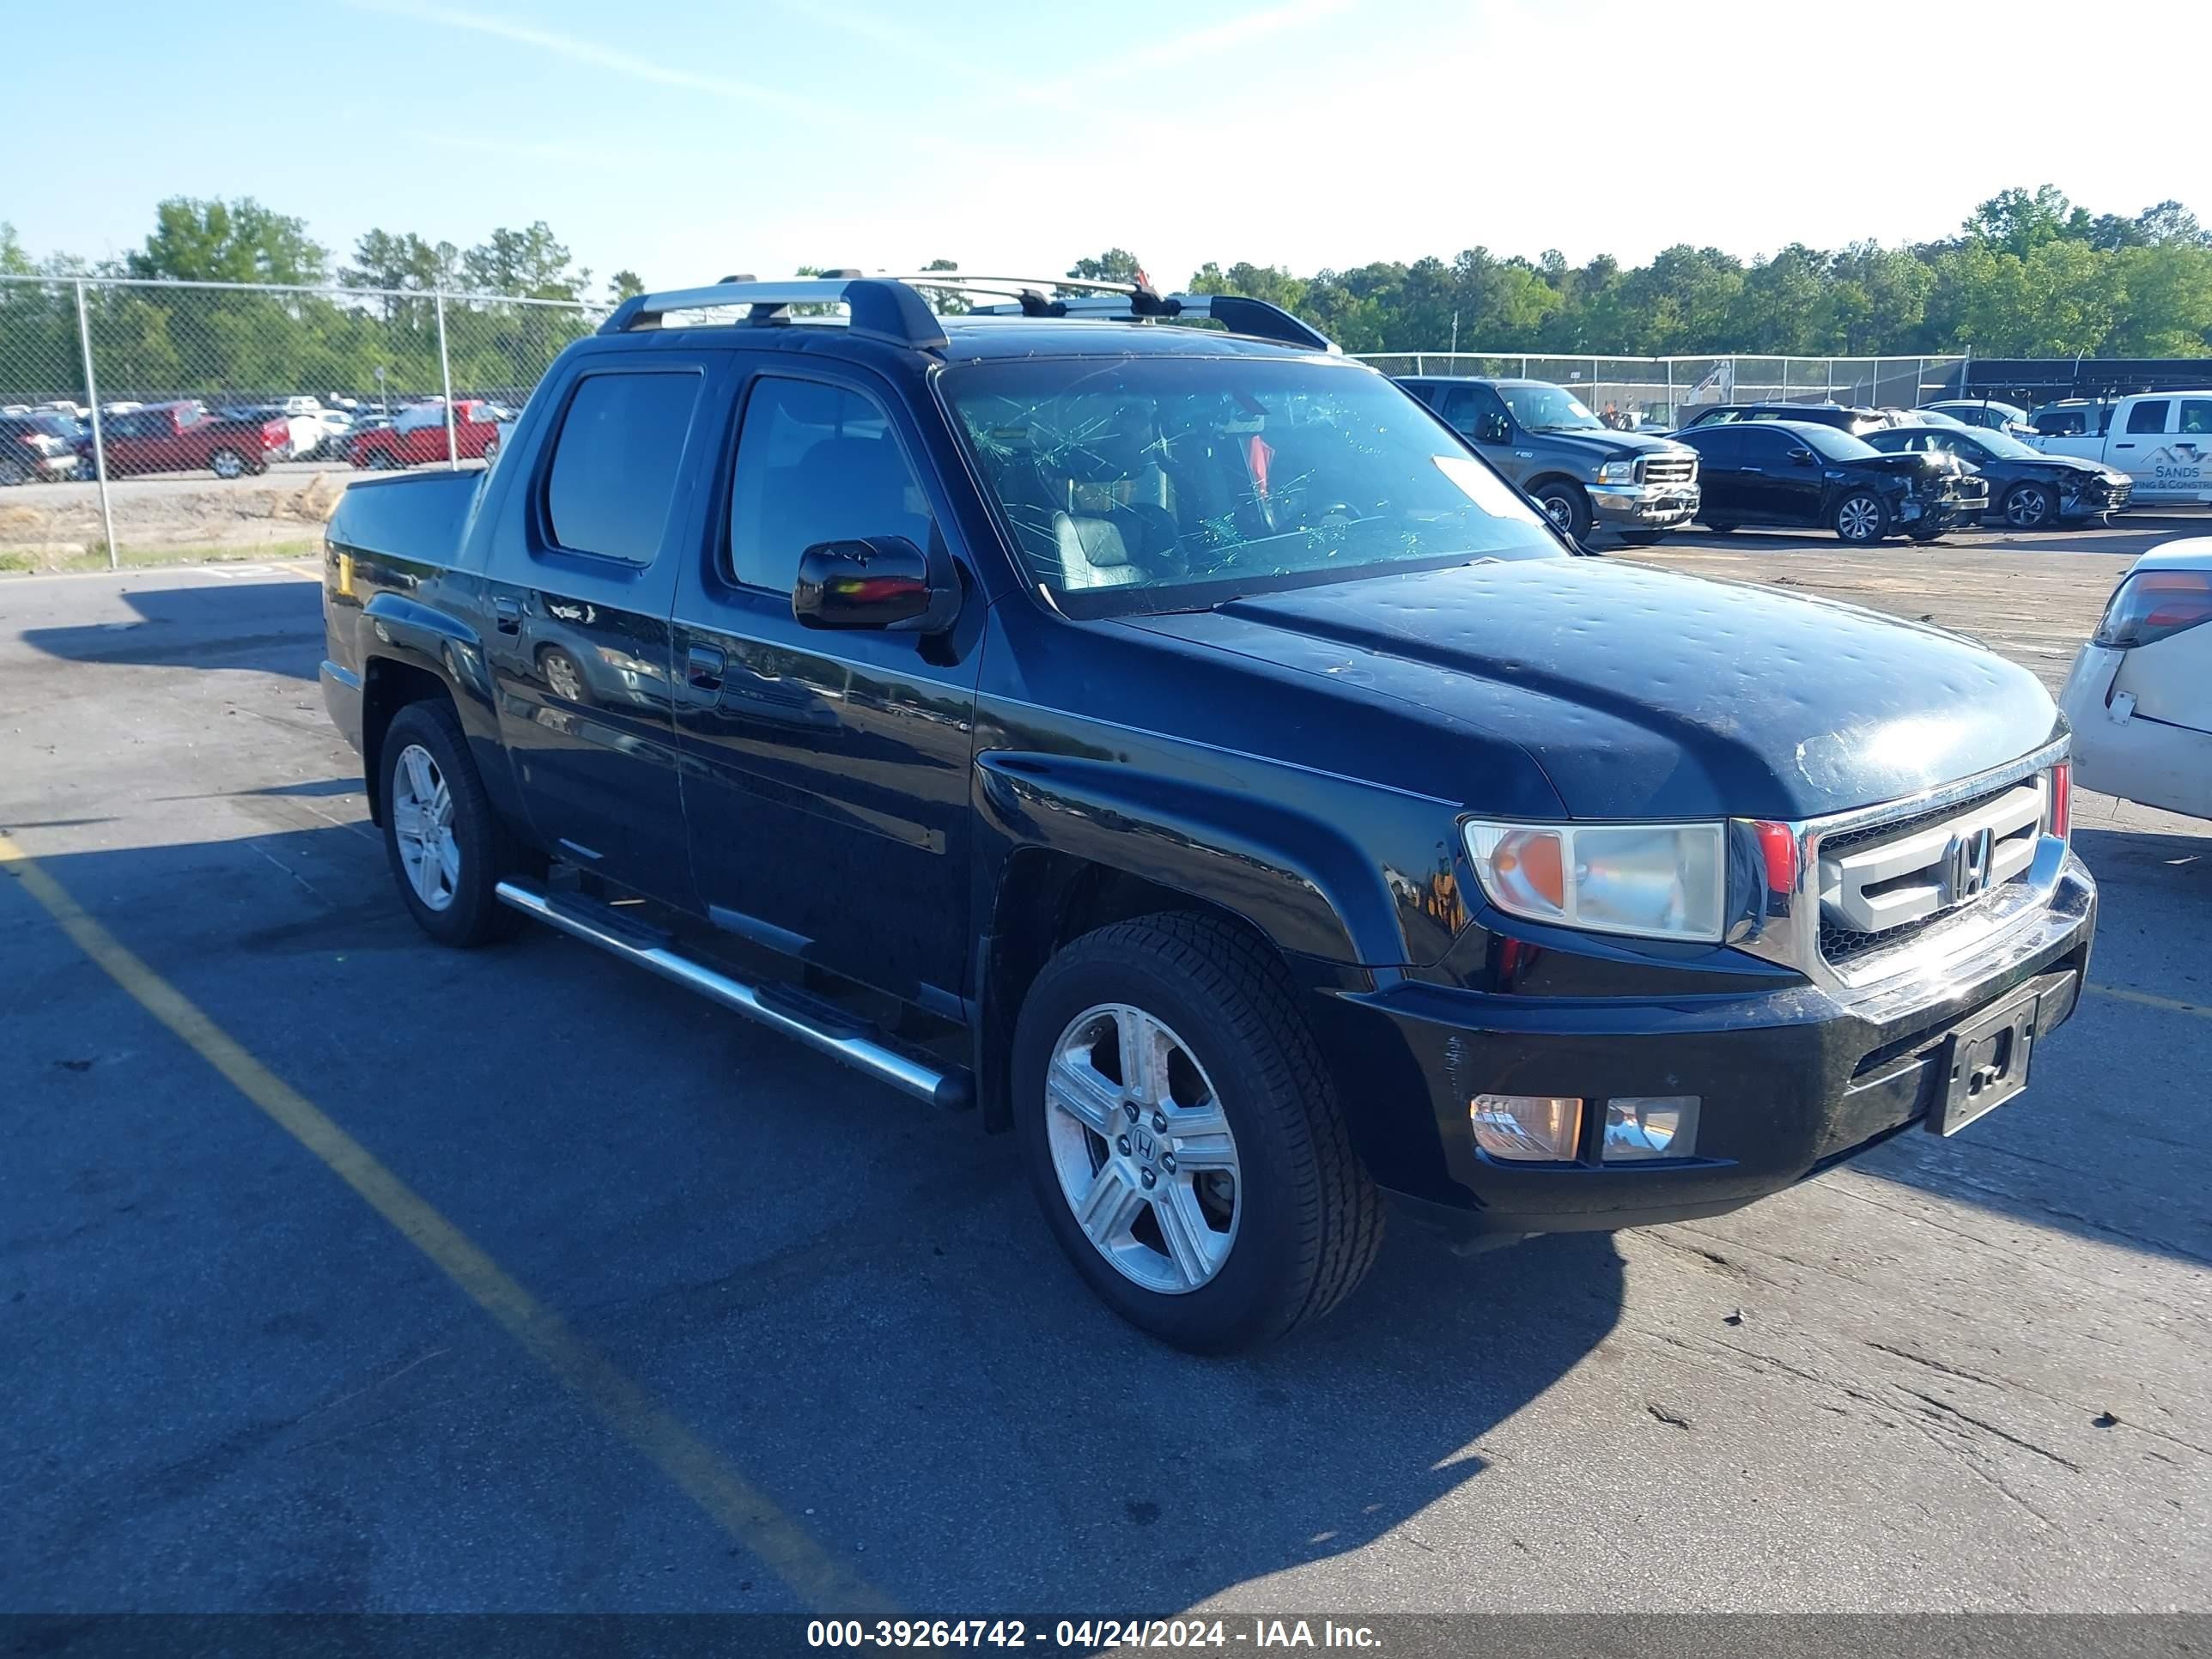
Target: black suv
{"points": [[1178, 745]]}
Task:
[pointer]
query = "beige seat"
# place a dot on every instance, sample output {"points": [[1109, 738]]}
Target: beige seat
{"points": [[1092, 554]]}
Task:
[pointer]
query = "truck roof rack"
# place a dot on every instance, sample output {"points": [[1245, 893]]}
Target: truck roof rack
{"points": [[891, 308]]}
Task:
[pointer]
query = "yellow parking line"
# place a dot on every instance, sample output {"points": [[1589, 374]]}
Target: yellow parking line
{"points": [[2151, 1000], [734, 1503]]}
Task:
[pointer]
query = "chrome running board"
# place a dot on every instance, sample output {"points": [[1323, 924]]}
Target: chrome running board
{"points": [[951, 1090]]}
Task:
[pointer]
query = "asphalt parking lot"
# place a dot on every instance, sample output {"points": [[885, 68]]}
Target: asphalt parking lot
{"points": [[340, 1272]]}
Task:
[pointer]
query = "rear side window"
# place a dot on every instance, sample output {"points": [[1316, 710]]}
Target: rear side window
{"points": [[2197, 415], [816, 462], [2061, 422], [613, 479], [2148, 417]]}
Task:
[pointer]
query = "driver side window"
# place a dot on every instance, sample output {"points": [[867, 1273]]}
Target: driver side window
{"points": [[1477, 412], [816, 462]]}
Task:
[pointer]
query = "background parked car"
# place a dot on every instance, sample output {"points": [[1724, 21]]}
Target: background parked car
{"points": [[2028, 489], [417, 435], [1982, 412], [304, 434], [1844, 417], [2162, 439], [1805, 473], [1581, 472], [184, 437], [2140, 695], [35, 447]]}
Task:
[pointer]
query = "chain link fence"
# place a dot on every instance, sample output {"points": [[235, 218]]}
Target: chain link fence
{"points": [[159, 421], [1660, 393]]}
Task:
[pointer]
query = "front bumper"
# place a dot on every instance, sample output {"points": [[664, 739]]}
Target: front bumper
{"points": [[1790, 1080], [1657, 507]]}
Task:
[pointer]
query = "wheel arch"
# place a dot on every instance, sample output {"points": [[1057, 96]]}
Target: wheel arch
{"points": [[389, 684], [1082, 843]]}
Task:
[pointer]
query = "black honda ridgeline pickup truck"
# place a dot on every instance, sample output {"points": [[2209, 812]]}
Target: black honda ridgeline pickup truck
{"points": [[1179, 745]]}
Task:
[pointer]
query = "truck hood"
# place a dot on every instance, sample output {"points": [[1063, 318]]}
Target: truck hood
{"points": [[1642, 693]]}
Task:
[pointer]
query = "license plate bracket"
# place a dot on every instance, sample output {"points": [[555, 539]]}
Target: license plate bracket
{"points": [[1985, 1063]]}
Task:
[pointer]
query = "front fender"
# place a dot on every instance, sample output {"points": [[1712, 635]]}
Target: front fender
{"points": [[1325, 868]]}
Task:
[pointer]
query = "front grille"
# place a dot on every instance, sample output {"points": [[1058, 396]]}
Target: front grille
{"points": [[1884, 882], [1665, 468]]}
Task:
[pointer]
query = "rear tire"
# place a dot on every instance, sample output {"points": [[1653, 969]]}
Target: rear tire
{"points": [[447, 847], [1296, 1224], [1642, 537], [1718, 527], [13, 472]]}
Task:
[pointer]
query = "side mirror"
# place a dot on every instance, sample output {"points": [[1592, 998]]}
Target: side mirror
{"points": [[875, 582], [1802, 457], [1492, 430]]}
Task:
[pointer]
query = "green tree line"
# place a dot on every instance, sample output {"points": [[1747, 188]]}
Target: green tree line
{"points": [[2028, 274]]}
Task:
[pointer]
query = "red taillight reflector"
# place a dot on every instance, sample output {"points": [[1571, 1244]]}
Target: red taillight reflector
{"points": [[1778, 845], [2061, 799]]}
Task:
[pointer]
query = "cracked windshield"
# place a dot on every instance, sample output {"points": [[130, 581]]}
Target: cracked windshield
{"points": [[1177, 484]]}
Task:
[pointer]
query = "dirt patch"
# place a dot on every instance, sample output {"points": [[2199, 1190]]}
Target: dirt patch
{"points": [[58, 526]]}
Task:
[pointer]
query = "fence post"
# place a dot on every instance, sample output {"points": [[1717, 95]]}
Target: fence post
{"points": [[99, 438], [1418, 369], [445, 379], [1919, 382], [1670, 391], [1524, 368]]}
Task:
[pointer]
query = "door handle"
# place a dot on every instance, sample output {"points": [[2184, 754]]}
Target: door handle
{"points": [[2129, 446], [506, 616], [702, 668], [1751, 469]]}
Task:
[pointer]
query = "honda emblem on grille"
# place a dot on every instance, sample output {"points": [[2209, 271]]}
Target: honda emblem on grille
{"points": [[1966, 865]]}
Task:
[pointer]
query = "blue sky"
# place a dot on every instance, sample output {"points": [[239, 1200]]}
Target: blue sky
{"points": [[685, 139]]}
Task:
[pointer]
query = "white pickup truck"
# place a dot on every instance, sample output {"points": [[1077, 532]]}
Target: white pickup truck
{"points": [[2162, 439]]}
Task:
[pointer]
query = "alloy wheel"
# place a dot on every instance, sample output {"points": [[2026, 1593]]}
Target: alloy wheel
{"points": [[2025, 508], [423, 822], [1859, 519], [1143, 1149]]}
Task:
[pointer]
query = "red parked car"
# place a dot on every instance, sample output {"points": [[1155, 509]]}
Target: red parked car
{"points": [[184, 437], [417, 436]]}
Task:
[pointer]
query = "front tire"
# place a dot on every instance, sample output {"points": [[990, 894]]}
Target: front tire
{"points": [[1861, 519], [227, 463], [445, 845], [2029, 507], [1565, 506], [1184, 1138]]}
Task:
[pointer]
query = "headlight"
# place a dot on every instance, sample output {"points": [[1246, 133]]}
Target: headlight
{"points": [[1617, 472], [1651, 880]]}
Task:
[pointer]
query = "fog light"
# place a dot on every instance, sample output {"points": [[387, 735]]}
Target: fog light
{"points": [[1527, 1128], [1649, 1126]]}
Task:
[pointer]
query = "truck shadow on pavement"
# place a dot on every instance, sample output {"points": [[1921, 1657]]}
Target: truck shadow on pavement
{"points": [[271, 627], [853, 1299]]}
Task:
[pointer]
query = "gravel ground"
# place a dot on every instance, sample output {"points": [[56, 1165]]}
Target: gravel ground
{"points": [[843, 1358]]}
